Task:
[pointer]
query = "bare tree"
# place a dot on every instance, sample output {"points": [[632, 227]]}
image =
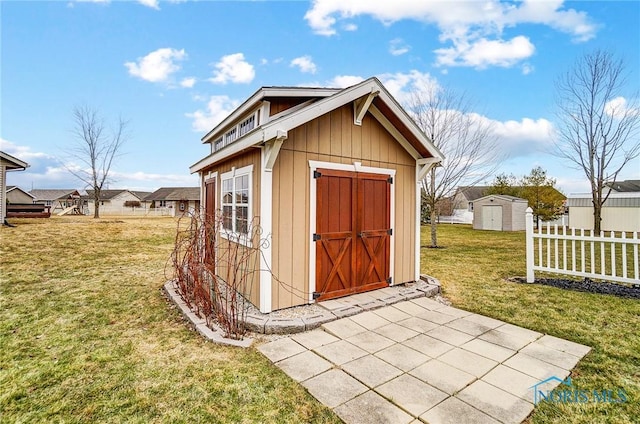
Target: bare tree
{"points": [[95, 149], [598, 127], [466, 139]]}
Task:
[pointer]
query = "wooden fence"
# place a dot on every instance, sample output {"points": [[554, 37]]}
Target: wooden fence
{"points": [[581, 253]]}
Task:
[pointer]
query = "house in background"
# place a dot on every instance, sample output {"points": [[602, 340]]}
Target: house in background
{"points": [[115, 202], [17, 195], [332, 176], [499, 212], [57, 199], [7, 163], [174, 201], [621, 211], [463, 200]]}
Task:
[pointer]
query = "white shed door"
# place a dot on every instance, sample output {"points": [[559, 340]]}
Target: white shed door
{"points": [[492, 218]]}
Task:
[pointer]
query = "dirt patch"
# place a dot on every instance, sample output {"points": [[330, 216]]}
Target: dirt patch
{"points": [[587, 285]]}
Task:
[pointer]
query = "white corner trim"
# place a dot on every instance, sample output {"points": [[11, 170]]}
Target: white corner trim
{"points": [[266, 222]]}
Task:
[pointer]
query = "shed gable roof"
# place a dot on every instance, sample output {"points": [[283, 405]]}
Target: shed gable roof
{"points": [[384, 108], [502, 197], [12, 162]]}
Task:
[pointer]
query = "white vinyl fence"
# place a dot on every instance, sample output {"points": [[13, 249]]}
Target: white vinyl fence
{"points": [[581, 253]]}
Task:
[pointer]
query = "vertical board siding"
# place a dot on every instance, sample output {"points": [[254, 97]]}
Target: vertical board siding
{"points": [[252, 157], [333, 138]]}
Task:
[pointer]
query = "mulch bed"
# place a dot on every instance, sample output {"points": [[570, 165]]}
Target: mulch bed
{"points": [[587, 285]]}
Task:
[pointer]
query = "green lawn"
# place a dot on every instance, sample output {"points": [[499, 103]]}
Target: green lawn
{"points": [[86, 335], [473, 268]]}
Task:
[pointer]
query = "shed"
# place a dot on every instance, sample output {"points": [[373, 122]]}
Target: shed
{"points": [[7, 163], [499, 212], [332, 177], [620, 212]]}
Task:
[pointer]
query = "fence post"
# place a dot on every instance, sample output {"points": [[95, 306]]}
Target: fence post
{"points": [[529, 245]]}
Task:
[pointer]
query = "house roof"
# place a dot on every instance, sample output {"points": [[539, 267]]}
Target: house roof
{"points": [[104, 194], [54, 194], [473, 192], [383, 107], [13, 163], [503, 197], [140, 194], [11, 188], [626, 186], [175, 193]]}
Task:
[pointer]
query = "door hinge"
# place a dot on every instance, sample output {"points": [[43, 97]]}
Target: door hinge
{"points": [[390, 231], [316, 237], [390, 180], [389, 280], [316, 295], [317, 174]]}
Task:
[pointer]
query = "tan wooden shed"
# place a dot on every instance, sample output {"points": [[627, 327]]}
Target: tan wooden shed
{"points": [[498, 212], [332, 175]]}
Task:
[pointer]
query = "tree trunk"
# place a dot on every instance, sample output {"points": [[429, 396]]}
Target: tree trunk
{"points": [[96, 208], [434, 228], [434, 215], [597, 218]]}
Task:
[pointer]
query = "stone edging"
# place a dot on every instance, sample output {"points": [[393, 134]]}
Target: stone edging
{"points": [[198, 323], [268, 324]]}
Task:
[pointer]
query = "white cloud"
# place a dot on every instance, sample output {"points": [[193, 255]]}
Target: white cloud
{"points": [[233, 68], [527, 68], [154, 4], [350, 27], [343, 81], [483, 53], [473, 28], [21, 152], [188, 82], [619, 107], [305, 64], [218, 108], [524, 137], [403, 86], [398, 47], [158, 65]]}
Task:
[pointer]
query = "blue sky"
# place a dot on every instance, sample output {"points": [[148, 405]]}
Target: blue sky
{"points": [[176, 68]]}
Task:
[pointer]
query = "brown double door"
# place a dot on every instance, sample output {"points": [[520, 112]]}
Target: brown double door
{"points": [[353, 232]]}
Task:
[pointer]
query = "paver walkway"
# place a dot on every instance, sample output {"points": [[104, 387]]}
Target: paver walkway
{"points": [[419, 360]]}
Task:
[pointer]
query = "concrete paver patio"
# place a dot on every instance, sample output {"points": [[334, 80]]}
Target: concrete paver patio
{"points": [[421, 361]]}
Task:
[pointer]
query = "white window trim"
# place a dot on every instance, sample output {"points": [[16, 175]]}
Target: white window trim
{"points": [[355, 167], [244, 239]]}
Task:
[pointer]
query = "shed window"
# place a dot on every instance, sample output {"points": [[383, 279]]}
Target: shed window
{"points": [[236, 202]]}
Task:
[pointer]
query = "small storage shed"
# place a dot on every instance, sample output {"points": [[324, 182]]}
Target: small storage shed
{"points": [[332, 176], [499, 212], [7, 163]]}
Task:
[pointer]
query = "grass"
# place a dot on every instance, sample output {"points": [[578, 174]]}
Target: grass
{"points": [[86, 335], [473, 269]]}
